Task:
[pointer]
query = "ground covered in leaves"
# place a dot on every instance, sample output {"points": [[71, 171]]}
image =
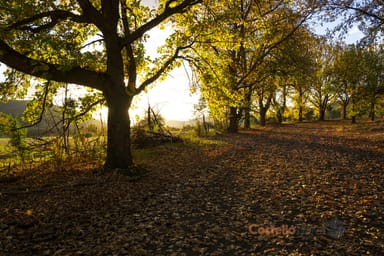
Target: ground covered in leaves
{"points": [[302, 189]]}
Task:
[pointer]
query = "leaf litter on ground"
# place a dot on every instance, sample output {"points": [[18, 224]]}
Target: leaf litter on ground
{"points": [[237, 197]]}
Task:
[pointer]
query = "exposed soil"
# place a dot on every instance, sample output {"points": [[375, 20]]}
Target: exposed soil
{"points": [[303, 189]]}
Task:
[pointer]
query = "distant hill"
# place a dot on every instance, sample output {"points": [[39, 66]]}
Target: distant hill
{"points": [[13, 107], [16, 109]]}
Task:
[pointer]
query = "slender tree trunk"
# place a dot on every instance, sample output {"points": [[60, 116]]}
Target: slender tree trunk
{"points": [[301, 93], [205, 126], [279, 116], [322, 109], [300, 113], [345, 105], [353, 110], [281, 109], [233, 120], [263, 116], [149, 118], [322, 114], [372, 111], [119, 155], [247, 119], [247, 110]]}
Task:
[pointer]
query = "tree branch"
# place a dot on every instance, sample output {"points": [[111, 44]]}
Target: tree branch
{"points": [[132, 74], [168, 11], [55, 17], [40, 118], [92, 14], [162, 69], [59, 73], [271, 47], [357, 9]]}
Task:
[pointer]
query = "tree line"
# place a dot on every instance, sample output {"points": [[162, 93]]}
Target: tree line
{"points": [[284, 67], [247, 56], [305, 78]]}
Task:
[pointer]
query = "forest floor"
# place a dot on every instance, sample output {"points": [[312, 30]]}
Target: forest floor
{"points": [[300, 189]]}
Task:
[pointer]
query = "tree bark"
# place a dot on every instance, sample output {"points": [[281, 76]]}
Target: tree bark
{"points": [[279, 116], [281, 109], [247, 109], [300, 113], [233, 120], [264, 108], [322, 114], [353, 111], [205, 125], [119, 155], [345, 111], [263, 116], [372, 111], [247, 119], [323, 106], [301, 93]]}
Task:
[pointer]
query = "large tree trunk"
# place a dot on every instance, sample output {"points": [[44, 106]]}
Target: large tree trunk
{"points": [[323, 107], [233, 120], [264, 109], [322, 113], [119, 155]]}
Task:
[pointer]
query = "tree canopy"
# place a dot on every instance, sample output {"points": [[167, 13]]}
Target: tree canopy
{"points": [[97, 44]]}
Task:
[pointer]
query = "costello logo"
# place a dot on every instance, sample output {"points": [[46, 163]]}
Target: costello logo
{"points": [[271, 230], [333, 228]]}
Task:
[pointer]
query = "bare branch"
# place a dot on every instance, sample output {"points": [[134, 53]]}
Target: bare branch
{"points": [[168, 11], [163, 68], [359, 10]]}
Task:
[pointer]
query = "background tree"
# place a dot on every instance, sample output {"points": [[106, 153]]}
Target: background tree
{"points": [[201, 113], [373, 90], [348, 72], [239, 37], [97, 44], [321, 87], [296, 65]]}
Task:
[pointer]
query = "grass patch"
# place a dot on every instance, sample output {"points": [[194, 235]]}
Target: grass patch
{"points": [[190, 138]]}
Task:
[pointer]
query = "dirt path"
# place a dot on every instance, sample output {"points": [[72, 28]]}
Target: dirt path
{"points": [[316, 190]]}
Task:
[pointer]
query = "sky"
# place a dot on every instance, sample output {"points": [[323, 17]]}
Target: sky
{"points": [[172, 97]]}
